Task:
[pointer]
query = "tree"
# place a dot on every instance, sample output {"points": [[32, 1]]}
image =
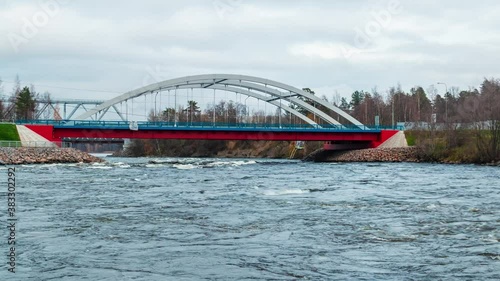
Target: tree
{"points": [[308, 90], [10, 111], [356, 98], [168, 115], [344, 105], [440, 108], [25, 105], [231, 112], [488, 123], [424, 106], [378, 102], [2, 107], [192, 109], [216, 113]]}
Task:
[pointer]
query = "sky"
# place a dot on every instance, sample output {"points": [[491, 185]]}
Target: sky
{"points": [[100, 49]]}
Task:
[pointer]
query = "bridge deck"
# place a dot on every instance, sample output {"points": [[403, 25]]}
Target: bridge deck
{"points": [[210, 126], [209, 131]]}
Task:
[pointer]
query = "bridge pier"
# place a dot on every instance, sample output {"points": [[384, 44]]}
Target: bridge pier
{"points": [[357, 144], [347, 145]]}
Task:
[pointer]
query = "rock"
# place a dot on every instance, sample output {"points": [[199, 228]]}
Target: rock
{"points": [[407, 154], [26, 155]]}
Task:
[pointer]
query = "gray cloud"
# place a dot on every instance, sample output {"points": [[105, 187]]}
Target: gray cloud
{"points": [[111, 45]]}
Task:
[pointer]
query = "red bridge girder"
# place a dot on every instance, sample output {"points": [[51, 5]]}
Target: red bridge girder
{"points": [[365, 139], [216, 135]]}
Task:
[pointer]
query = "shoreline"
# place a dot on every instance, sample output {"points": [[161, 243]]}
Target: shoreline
{"points": [[381, 155], [30, 155], [394, 155], [27, 155]]}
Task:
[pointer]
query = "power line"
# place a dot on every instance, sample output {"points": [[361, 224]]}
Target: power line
{"points": [[67, 88]]}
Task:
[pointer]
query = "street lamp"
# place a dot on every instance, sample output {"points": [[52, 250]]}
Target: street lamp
{"points": [[175, 106], [445, 100], [246, 110], [155, 116]]}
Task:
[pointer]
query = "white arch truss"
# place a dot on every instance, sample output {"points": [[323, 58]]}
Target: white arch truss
{"points": [[246, 85]]}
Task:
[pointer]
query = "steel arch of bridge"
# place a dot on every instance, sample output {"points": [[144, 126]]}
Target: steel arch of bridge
{"points": [[242, 84]]}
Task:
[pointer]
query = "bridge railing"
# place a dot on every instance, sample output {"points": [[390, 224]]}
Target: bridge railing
{"points": [[37, 144], [151, 125]]}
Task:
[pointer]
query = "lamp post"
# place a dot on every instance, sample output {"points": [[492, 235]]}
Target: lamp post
{"points": [[246, 110], [280, 114], [214, 104], [445, 100], [155, 105], [175, 106]]}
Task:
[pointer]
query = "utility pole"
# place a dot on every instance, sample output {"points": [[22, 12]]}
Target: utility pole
{"points": [[393, 111]]}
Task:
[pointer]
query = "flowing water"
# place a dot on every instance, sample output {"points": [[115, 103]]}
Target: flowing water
{"points": [[214, 219]]}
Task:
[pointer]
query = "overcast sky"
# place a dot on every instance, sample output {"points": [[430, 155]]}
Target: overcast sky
{"points": [[329, 46]]}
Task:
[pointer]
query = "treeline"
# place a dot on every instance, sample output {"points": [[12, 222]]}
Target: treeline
{"points": [[21, 104], [427, 106], [225, 112], [419, 106], [459, 126]]}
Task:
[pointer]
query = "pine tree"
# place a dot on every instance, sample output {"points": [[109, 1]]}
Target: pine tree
{"points": [[25, 105]]}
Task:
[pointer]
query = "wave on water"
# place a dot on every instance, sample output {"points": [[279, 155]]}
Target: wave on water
{"points": [[101, 155], [184, 167], [46, 166], [100, 166], [278, 163], [244, 163], [292, 191], [228, 163], [153, 165], [190, 163], [121, 165], [161, 162], [285, 192]]}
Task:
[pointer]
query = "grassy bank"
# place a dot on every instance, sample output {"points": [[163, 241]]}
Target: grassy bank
{"points": [[8, 132], [455, 146]]}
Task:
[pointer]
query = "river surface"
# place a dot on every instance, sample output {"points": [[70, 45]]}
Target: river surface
{"points": [[216, 219]]}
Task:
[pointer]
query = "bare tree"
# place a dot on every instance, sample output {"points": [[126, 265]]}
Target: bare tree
{"points": [[488, 123], [2, 106]]}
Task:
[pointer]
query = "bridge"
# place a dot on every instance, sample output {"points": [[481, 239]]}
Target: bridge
{"points": [[315, 124]]}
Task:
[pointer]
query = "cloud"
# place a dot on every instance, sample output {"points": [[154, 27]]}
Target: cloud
{"points": [[318, 50], [112, 45]]}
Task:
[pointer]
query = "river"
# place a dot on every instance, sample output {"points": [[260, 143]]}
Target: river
{"points": [[220, 219]]}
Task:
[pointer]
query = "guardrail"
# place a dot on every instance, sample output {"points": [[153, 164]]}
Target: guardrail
{"points": [[38, 144], [145, 124]]}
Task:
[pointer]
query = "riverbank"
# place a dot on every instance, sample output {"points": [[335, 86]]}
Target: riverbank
{"points": [[400, 154], [395, 155], [29, 155], [219, 149]]}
